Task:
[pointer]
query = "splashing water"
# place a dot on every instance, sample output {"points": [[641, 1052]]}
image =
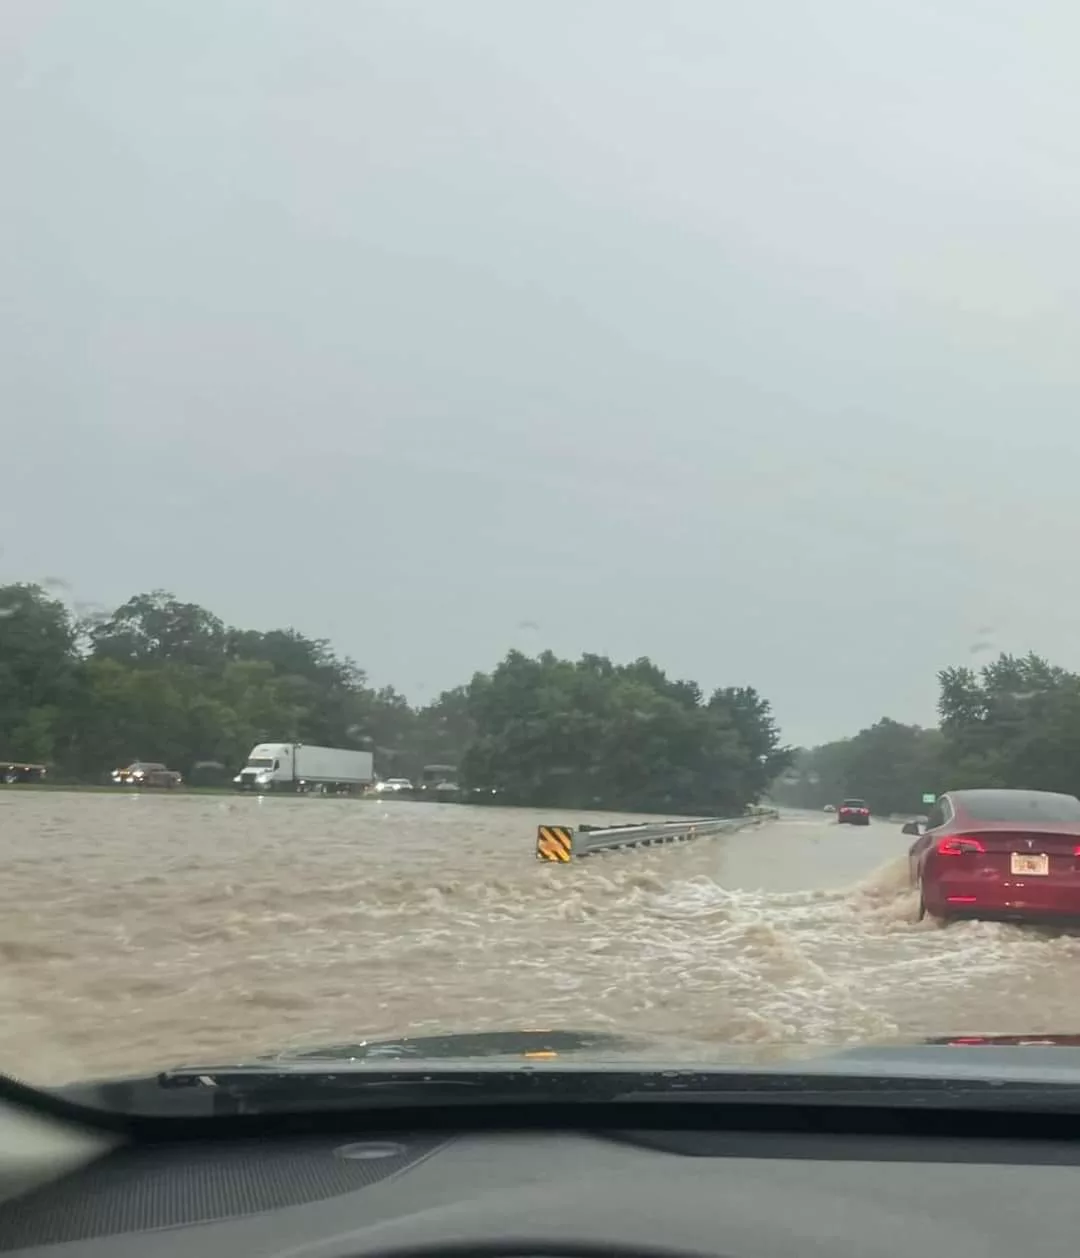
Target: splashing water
{"points": [[138, 931]]}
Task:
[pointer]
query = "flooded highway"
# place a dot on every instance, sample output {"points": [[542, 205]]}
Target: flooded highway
{"points": [[141, 931]]}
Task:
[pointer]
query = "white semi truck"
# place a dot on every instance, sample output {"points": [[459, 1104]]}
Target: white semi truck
{"points": [[300, 767]]}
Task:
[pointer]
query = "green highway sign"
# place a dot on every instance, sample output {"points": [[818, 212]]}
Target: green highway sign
{"points": [[929, 797]]}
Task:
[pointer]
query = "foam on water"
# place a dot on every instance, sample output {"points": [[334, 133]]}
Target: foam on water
{"points": [[136, 935]]}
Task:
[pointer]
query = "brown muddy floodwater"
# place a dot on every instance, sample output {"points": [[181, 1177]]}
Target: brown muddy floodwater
{"points": [[141, 931]]}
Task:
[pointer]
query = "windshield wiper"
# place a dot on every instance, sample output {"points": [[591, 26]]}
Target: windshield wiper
{"points": [[269, 1087]]}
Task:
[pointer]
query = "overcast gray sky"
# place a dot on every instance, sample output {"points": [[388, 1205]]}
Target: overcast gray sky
{"points": [[739, 335]]}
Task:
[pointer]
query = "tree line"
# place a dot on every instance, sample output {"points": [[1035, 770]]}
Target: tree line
{"points": [[165, 680], [1014, 723]]}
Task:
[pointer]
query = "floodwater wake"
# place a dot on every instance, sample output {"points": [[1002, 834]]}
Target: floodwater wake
{"points": [[138, 932]]}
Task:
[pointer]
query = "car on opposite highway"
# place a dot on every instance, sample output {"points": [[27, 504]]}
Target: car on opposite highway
{"points": [[853, 812], [1003, 854], [393, 786], [147, 773]]}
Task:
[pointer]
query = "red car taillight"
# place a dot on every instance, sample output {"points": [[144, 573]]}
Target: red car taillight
{"points": [[959, 847]]}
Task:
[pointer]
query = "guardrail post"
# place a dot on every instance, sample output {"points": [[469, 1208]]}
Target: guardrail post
{"points": [[554, 843]]}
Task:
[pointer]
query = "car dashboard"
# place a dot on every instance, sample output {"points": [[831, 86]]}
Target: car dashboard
{"points": [[708, 1191]]}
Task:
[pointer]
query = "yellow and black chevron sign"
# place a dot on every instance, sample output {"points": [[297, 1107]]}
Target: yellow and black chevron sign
{"points": [[554, 843]]}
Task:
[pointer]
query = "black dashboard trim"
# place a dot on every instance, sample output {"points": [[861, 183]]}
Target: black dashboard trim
{"points": [[600, 1119]]}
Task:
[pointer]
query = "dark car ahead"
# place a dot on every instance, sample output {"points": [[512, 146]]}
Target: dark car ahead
{"points": [[853, 812], [146, 773], [999, 854]]}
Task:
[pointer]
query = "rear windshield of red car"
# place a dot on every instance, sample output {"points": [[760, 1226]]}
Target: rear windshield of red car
{"points": [[853, 803], [1018, 806]]}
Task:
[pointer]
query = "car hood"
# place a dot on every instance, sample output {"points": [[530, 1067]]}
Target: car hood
{"points": [[1009, 1057], [504, 1045]]}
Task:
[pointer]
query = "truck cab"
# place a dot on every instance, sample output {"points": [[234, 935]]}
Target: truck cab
{"points": [[266, 764]]}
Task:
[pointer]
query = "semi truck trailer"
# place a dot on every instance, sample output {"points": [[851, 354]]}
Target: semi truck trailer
{"points": [[303, 768]]}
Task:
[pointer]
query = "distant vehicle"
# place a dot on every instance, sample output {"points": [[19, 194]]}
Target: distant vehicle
{"points": [[853, 812], [147, 773], [18, 771], [305, 769], [393, 786], [209, 773], [1001, 854], [830, 808], [439, 782]]}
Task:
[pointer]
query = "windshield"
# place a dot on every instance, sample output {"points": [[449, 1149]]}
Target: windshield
{"points": [[1019, 806], [653, 425]]}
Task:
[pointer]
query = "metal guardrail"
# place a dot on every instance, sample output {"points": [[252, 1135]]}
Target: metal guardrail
{"points": [[562, 844]]}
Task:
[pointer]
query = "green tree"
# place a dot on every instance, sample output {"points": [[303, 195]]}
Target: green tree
{"points": [[441, 732], [37, 673], [751, 717], [163, 679], [558, 733], [1015, 723], [151, 628], [889, 764]]}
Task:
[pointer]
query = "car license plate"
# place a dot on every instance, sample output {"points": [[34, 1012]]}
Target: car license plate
{"points": [[1038, 865]]}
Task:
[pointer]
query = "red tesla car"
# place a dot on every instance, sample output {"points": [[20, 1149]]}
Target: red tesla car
{"points": [[853, 812], [999, 854]]}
